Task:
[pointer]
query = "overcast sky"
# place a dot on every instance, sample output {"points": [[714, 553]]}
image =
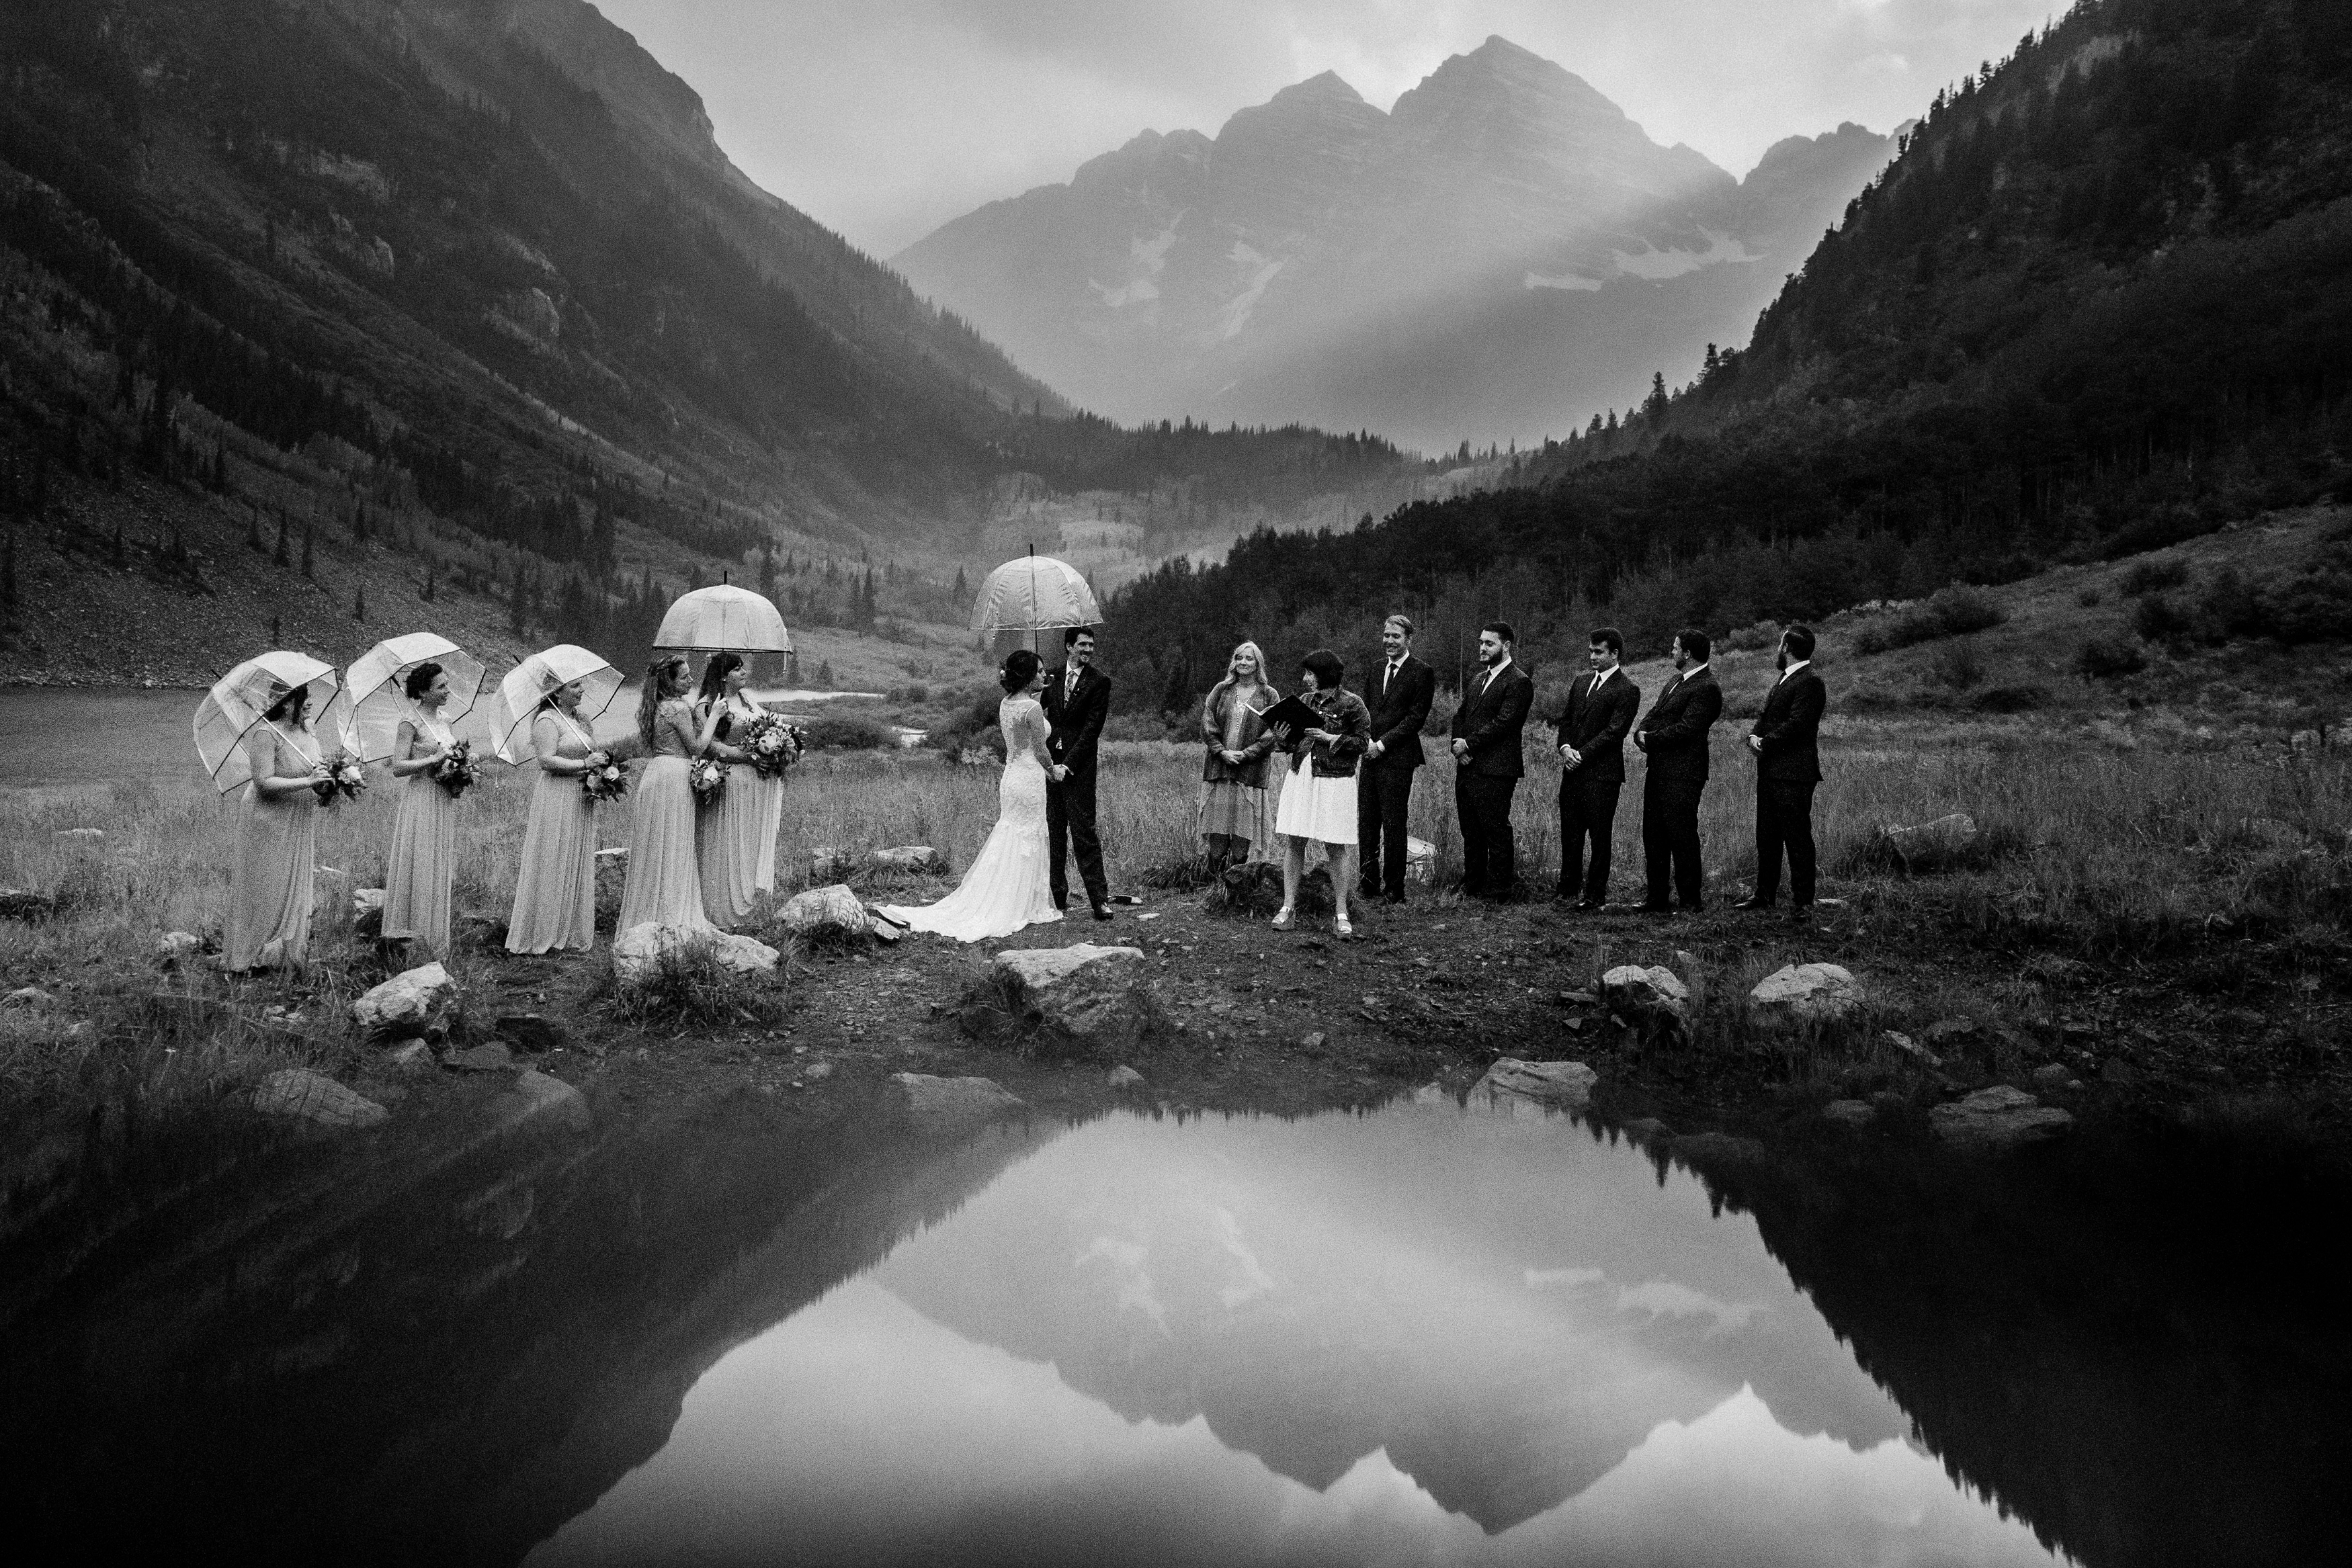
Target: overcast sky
{"points": [[883, 119]]}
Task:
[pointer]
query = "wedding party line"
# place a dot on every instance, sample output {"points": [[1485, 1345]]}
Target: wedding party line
{"points": [[1325, 765]]}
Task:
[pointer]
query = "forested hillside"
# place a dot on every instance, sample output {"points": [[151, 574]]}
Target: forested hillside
{"points": [[462, 297], [2100, 302]]}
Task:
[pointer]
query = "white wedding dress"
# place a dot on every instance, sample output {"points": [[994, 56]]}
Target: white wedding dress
{"points": [[1009, 886]]}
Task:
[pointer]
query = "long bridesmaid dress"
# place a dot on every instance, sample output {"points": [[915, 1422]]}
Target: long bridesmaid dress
{"points": [[273, 886], [555, 888], [737, 837], [665, 888], [423, 851]]}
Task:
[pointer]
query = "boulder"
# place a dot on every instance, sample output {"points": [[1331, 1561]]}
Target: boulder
{"points": [[1814, 993], [1652, 996], [300, 1095], [415, 1002], [541, 1096], [1125, 1077], [1945, 1033], [409, 1056], [1913, 1049], [2052, 1075], [637, 950], [492, 1058], [834, 912], [173, 946], [908, 857], [1082, 1000], [1850, 1112], [2000, 1117], [23, 903], [367, 910], [1510, 1083], [937, 1102], [1931, 846]]}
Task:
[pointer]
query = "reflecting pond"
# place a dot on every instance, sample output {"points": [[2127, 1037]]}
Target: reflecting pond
{"points": [[1419, 1334]]}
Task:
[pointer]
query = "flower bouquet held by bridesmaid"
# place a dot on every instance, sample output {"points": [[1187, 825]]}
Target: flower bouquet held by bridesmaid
{"points": [[735, 835], [273, 886], [555, 883]]}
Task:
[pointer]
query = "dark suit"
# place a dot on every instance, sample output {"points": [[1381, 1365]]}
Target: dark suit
{"points": [[1076, 718], [1675, 739], [1787, 769], [1492, 717], [1400, 706], [1600, 710]]}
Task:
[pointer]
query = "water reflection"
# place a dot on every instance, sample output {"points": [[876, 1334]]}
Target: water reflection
{"points": [[1417, 1336]]}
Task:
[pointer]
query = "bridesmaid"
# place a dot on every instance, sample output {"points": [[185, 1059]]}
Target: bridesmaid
{"points": [[556, 890], [736, 837], [271, 890], [425, 834], [664, 887]]}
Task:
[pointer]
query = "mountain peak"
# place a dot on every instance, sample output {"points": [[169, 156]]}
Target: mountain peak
{"points": [[1327, 88]]}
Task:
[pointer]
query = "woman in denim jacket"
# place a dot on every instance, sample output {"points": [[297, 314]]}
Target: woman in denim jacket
{"points": [[1319, 795]]}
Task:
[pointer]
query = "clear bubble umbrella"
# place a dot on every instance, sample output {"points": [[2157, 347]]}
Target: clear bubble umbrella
{"points": [[528, 684], [238, 699], [374, 700], [1034, 593], [724, 619]]}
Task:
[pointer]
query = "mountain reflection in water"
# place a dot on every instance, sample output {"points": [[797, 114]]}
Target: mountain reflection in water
{"points": [[1420, 1335]]}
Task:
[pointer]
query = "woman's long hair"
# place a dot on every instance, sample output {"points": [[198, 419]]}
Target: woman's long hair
{"points": [[1235, 658], [293, 708], [715, 673], [655, 692]]}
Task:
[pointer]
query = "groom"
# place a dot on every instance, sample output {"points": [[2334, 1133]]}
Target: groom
{"points": [[1076, 701]]}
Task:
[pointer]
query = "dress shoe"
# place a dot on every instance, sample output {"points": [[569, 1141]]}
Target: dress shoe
{"points": [[1591, 905], [1654, 909], [1565, 896], [1752, 903], [1393, 898], [1367, 891], [1799, 914], [1102, 911]]}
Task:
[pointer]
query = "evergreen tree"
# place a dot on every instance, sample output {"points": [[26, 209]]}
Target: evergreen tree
{"points": [[115, 557], [427, 594], [309, 552], [359, 602], [514, 603], [1653, 407], [277, 637], [963, 592], [279, 557], [824, 675], [768, 570], [253, 531]]}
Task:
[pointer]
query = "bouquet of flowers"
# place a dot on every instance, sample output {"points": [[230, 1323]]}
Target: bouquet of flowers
{"points": [[346, 779], [457, 771], [705, 776], [605, 779], [774, 745]]}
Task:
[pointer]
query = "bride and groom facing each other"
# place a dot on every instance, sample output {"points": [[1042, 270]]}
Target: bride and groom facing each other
{"points": [[1051, 721]]}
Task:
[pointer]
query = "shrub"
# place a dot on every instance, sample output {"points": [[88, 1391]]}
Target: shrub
{"points": [[2012, 699], [1950, 612], [1958, 665], [2153, 576], [1748, 639], [2090, 597], [2235, 606], [688, 985], [2158, 620], [2105, 658], [848, 732]]}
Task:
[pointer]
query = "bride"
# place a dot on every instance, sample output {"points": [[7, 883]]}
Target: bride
{"points": [[1008, 886]]}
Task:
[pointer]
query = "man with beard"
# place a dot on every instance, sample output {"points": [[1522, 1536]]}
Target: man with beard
{"points": [[1488, 765], [1674, 737], [1786, 741], [1076, 701]]}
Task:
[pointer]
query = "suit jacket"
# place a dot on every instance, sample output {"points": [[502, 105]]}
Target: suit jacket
{"points": [[1076, 718], [1399, 709], [1492, 721], [1789, 726], [1599, 713], [1676, 727]]}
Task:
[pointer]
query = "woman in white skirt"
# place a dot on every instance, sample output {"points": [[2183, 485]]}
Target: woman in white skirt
{"points": [[1319, 792]]}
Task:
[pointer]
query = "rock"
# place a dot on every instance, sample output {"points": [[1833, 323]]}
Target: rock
{"points": [[2000, 1117], [300, 1095], [1083, 998], [530, 1031], [23, 903], [945, 1102], [818, 1071], [415, 1002], [2052, 1075], [1931, 846], [1811, 992], [1945, 1032], [409, 1056], [2115, 1070], [28, 997], [1312, 1044], [1685, 961], [828, 864], [1652, 996], [832, 911], [538, 1094], [367, 910], [1911, 1048], [637, 950], [174, 946], [1420, 859], [908, 857], [2303, 740], [1125, 1077], [1568, 1084], [492, 1058], [83, 835], [1850, 1112]]}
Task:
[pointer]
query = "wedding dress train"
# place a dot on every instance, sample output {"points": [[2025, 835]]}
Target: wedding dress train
{"points": [[1008, 885]]}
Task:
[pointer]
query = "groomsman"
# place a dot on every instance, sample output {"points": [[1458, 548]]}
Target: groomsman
{"points": [[1398, 693], [1486, 731], [1076, 701], [1788, 767], [1674, 737], [1591, 729]]}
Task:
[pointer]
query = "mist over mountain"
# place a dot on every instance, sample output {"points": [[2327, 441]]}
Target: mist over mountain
{"points": [[1497, 257]]}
